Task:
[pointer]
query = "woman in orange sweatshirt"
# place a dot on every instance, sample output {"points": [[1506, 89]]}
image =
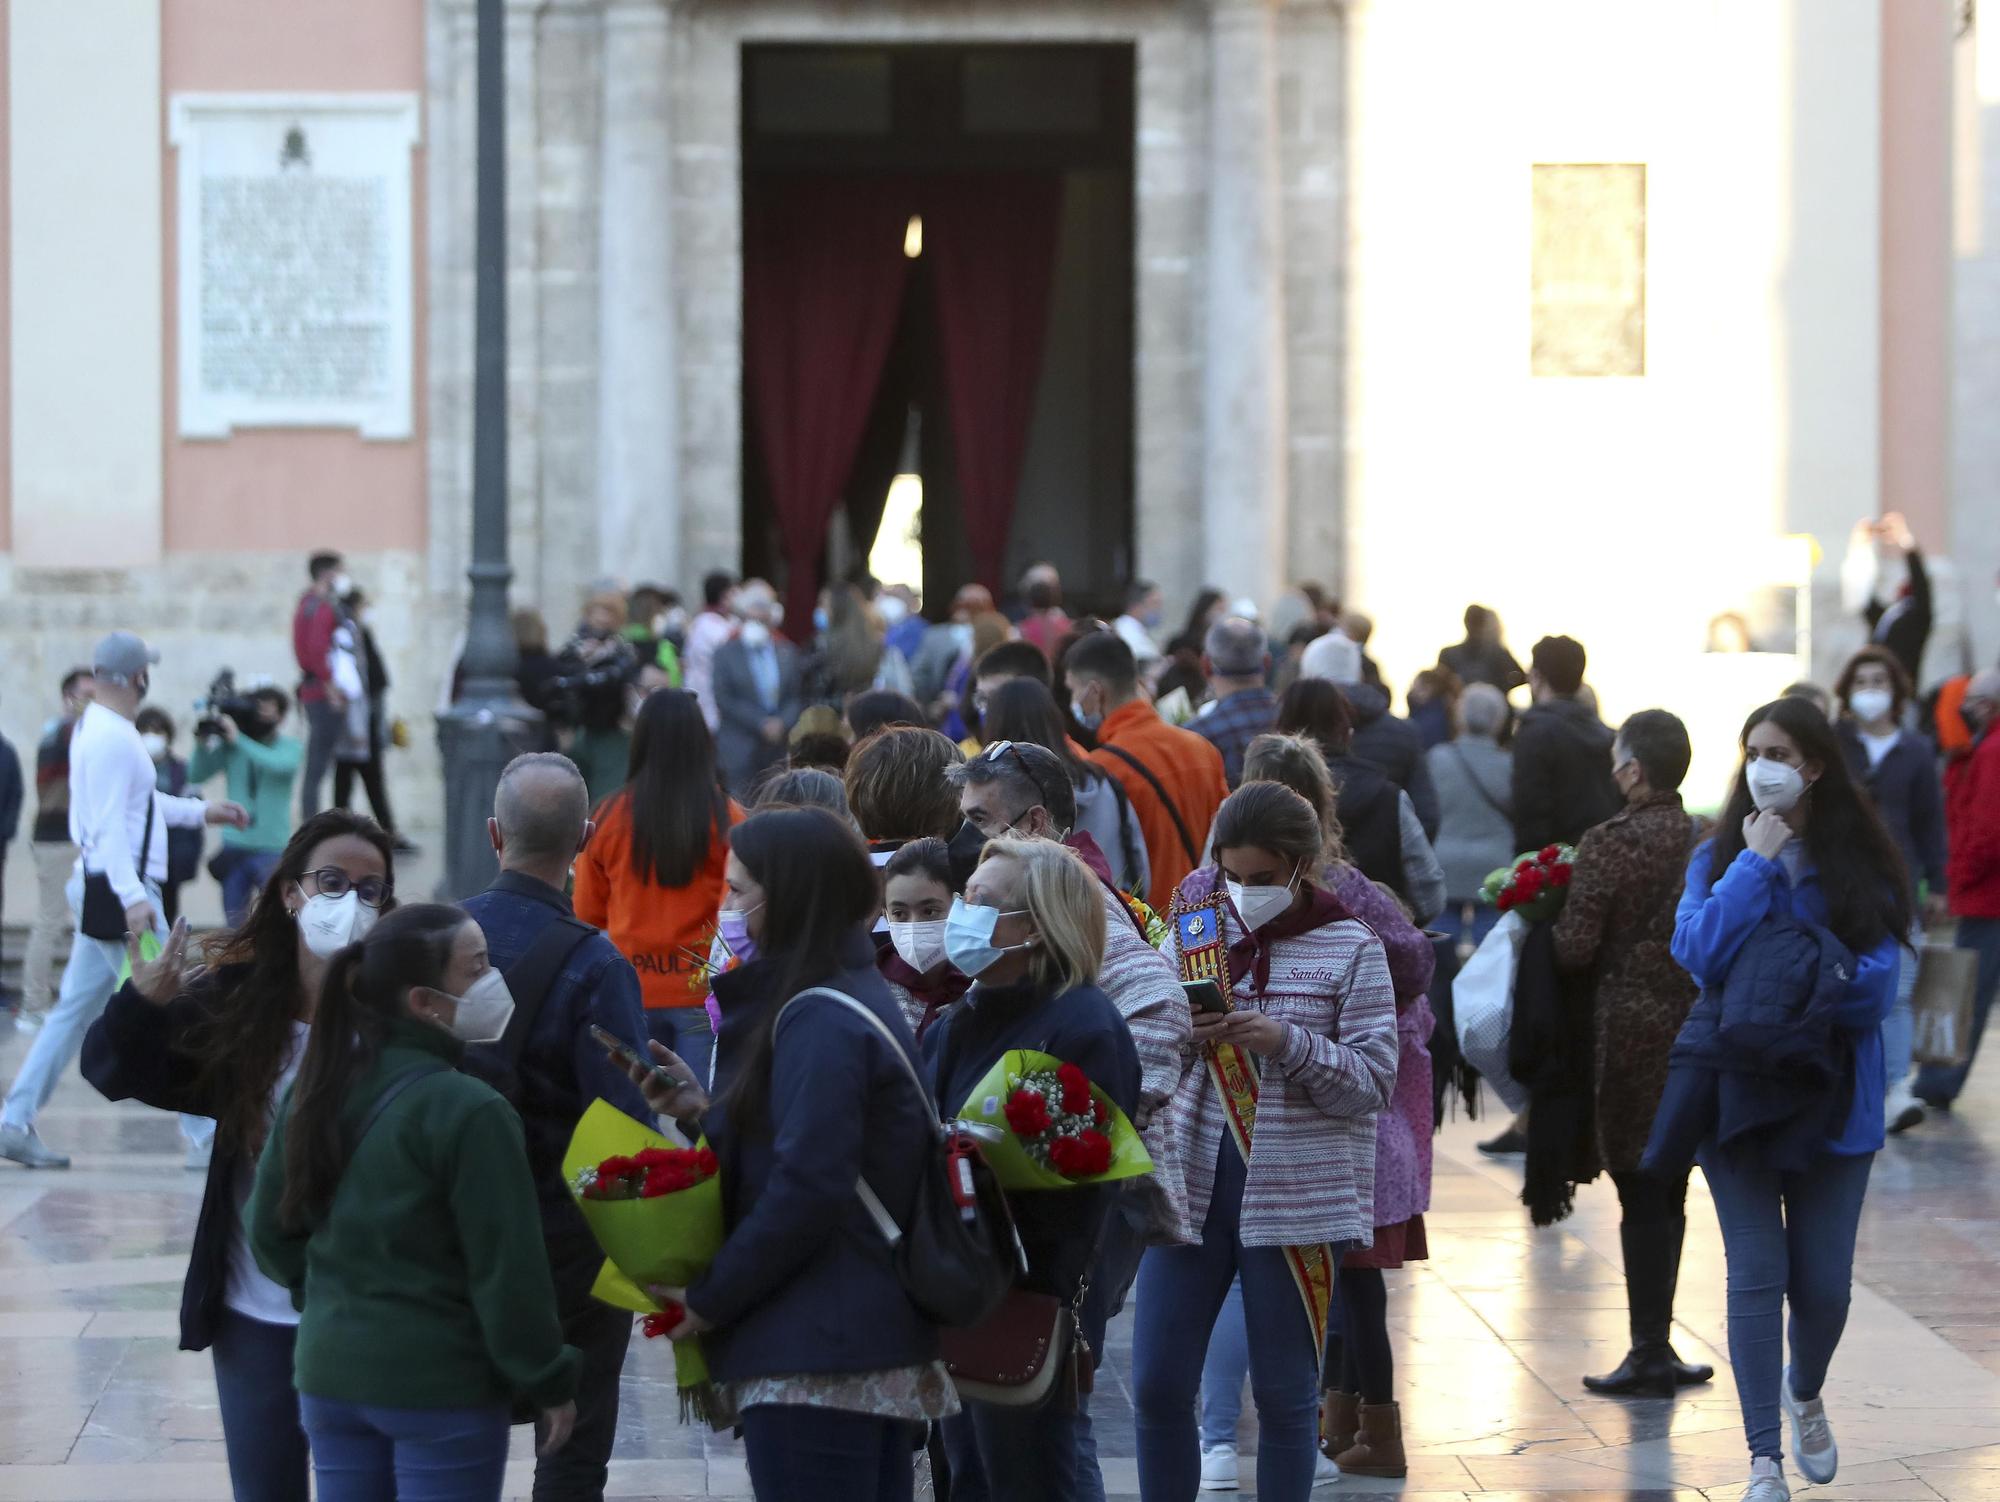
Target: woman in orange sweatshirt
{"points": [[651, 877]]}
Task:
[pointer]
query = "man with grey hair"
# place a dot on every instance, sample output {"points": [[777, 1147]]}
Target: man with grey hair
{"points": [[1236, 658], [565, 976]]}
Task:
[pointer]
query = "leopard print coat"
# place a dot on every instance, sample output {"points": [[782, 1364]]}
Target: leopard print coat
{"points": [[1618, 924]]}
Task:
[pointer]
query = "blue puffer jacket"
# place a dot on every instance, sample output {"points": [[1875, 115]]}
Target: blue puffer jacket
{"points": [[1782, 1056]]}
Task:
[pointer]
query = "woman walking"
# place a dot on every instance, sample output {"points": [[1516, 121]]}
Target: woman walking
{"points": [[225, 1042], [1899, 771], [1800, 886], [1617, 926], [651, 877], [1310, 1000], [1030, 933], [803, 1319], [394, 1200]]}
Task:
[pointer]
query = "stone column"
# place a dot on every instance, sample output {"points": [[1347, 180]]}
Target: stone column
{"points": [[639, 509], [1244, 483]]}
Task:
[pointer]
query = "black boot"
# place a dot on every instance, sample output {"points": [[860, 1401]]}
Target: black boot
{"points": [[1686, 1373], [1648, 1368]]}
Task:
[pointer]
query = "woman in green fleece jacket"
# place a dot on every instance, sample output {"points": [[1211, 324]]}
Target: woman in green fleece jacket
{"points": [[394, 1199]]}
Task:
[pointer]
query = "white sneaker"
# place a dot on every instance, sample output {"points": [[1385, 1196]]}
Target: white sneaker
{"points": [[1326, 1471], [1218, 1469], [1767, 1482], [1812, 1438], [1902, 1109]]}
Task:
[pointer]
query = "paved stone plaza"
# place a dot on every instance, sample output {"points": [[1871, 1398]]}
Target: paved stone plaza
{"points": [[96, 1403]]}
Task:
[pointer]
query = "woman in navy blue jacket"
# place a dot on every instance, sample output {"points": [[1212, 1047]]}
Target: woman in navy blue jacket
{"points": [[1030, 932], [1899, 770], [1797, 840], [806, 1327]]}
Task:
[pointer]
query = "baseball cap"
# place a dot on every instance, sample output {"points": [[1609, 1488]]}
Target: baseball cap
{"points": [[122, 656]]}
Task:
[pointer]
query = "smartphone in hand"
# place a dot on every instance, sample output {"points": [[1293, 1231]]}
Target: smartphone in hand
{"points": [[1205, 996], [623, 1051]]}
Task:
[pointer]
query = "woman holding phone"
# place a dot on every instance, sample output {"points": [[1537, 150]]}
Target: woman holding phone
{"points": [[1305, 1059]]}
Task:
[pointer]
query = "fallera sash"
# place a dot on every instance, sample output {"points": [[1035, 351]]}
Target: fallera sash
{"points": [[1198, 939]]}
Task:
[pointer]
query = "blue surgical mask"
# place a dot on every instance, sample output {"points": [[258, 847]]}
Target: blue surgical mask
{"points": [[968, 938], [1085, 719]]}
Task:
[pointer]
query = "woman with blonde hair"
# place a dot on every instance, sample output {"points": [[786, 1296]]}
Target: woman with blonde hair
{"points": [[1029, 932]]}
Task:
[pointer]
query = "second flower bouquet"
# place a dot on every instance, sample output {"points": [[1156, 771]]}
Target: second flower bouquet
{"points": [[1042, 1124]]}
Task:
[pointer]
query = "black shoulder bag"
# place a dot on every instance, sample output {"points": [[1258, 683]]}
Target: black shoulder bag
{"points": [[959, 1255], [103, 915], [529, 980]]}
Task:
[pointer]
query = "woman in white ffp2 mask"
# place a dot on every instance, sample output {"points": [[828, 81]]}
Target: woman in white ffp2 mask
{"points": [[224, 1041], [1303, 1059], [390, 1169]]}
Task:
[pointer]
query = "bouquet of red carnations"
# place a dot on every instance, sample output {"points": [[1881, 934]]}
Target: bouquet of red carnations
{"points": [[1044, 1125], [656, 1210], [1534, 885]]}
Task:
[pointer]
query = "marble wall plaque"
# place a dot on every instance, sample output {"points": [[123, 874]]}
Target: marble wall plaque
{"points": [[1589, 270], [294, 245]]}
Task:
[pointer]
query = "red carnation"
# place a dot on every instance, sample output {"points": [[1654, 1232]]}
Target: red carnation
{"points": [[1081, 1156], [1027, 1114], [1099, 1110], [705, 1160], [1096, 1150], [1505, 901], [664, 1323], [1075, 1089], [1528, 884], [1550, 855], [1559, 875]]}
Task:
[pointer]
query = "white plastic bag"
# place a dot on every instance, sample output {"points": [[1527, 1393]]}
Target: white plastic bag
{"points": [[1482, 999]]}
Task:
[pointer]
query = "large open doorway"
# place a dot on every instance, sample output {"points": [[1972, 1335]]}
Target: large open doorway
{"points": [[938, 285]]}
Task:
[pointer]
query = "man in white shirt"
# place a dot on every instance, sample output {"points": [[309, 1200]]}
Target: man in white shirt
{"points": [[119, 824], [1145, 609]]}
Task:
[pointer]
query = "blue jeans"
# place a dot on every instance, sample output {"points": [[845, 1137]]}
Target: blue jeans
{"points": [[687, 1032], [1181, 1291], [363, 1452], [1452, 922], [1223, 1373], [243, 878], [1940, 1085], [87, 983], [828, 1455], [260, 1412], [1117, 1265], [1787, 1238]]}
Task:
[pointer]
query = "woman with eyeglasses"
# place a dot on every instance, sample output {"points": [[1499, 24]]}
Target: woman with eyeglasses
{"points": [[394, 1201], [1030, 933], [223, 1039], [1301, 1059]]}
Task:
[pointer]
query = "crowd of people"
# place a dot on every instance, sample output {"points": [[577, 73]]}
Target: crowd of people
{"points": [[828, 883]]}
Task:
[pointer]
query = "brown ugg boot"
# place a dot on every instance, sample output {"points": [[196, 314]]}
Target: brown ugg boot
{"points": [[1378, 1447], [1339, 1419]]}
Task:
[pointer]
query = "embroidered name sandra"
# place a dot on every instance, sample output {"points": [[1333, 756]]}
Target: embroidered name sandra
{"points": [[1325, 977]]}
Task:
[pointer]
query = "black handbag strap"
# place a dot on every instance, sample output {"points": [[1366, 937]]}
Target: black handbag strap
{"points": [[1180, 824]]}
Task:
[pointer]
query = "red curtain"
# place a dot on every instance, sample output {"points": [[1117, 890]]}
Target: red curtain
{"points": [[823, 277], [992, 244]]}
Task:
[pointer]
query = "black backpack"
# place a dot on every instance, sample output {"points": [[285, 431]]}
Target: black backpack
{"points": [[960, 1254], [529, 980]]}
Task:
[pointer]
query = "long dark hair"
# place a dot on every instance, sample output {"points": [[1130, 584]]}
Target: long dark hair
{"points": [[678, 808], [239, 1047], [819, 887], [1319, 711], [364, 992], [1860, 870], [1022, 710]]}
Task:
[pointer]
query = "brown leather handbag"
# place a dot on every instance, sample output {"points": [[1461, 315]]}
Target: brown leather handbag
{"points": [[1014, 1358]]}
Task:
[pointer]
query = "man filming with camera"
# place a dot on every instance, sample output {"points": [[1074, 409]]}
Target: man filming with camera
{"points": [[241, 735]]}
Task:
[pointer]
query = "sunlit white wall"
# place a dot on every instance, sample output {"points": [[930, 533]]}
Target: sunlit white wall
{"points": [[1612, 509]]}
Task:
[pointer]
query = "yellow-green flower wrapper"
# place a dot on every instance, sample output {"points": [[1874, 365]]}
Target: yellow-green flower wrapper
{"points": [[669, 1239], [1012, 1164]]}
